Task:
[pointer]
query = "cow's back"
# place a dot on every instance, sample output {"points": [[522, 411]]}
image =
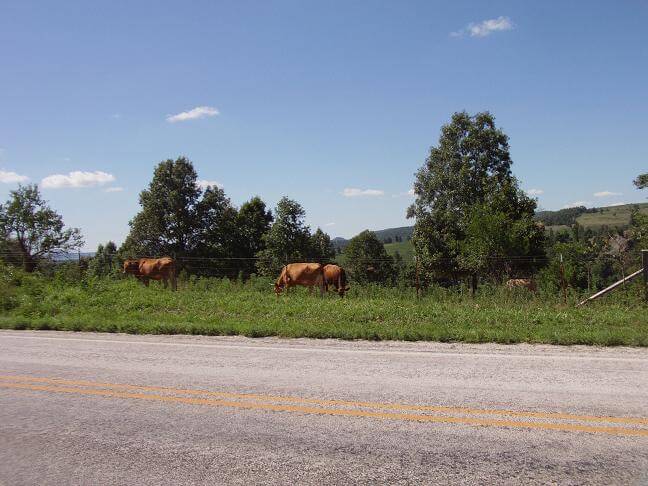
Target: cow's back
{"points": [[304, 273]]}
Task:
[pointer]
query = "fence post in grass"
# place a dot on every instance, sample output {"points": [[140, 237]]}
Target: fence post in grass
{"points": [[563, 284], [418, 282], [644, 261]]}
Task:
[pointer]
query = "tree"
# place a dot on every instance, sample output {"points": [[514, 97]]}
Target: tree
{"points": [[104, 261], [217, 235], [288, 239], [464, 187], [35, 228], [367, 260], [641, 181], [168, 223], [253, 221], [321, 247]]}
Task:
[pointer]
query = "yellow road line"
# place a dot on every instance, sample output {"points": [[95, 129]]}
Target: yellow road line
{"points": [[315, 401], [334, 412]]}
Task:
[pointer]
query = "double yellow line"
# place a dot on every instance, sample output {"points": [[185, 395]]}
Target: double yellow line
{"points": [[633, 426]]}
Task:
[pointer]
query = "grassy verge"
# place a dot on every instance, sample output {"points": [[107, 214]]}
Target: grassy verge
{"points": [[217, 307]]}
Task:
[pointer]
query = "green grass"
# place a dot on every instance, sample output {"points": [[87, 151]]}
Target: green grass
{"points": [[217, 307]]}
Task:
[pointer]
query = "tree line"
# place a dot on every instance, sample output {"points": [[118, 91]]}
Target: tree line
{"points": [[472, 221]]}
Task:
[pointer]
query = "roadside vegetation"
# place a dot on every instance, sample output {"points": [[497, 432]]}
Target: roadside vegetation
{"points": [[215, 306]]}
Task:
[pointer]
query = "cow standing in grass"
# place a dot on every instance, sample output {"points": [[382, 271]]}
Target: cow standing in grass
{"points": [[335, 276], [306, 274], [145, 269], [521, 283]]}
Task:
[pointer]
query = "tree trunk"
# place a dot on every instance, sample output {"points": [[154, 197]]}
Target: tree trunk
{"points": [[473, 285], [29, 263]]}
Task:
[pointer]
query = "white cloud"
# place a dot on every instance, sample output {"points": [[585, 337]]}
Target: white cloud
{"points": [[618, 204], [9, 177], [329, 224], [577, 203], [607, 194], [193, 114], [535, 192], [76, 179], [485, 27], [355, 192], [113, 189], [204, 184]]}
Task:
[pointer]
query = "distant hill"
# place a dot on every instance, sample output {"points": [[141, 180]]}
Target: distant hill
{"points": [[614, 217], [387, 236]]}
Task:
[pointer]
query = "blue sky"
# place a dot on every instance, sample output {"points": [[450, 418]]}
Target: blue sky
{"points": [[334, 104]]}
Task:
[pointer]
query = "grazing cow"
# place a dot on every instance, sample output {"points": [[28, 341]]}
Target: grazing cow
{"points": [[306, 274], [335, 276], [146, 269], [525, 283]]}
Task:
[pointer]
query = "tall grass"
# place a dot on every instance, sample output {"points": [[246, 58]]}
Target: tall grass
{"points": [[221, 307]]}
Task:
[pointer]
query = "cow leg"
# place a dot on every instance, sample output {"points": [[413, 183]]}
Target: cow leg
{"points": [[165, 283], [145, 281]]}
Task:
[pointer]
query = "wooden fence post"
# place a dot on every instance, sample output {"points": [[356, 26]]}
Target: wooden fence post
{"points": [[644, 261], [418, 282], [563, 283]]}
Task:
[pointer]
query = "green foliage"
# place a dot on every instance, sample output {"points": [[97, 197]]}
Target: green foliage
{"points": [[169, 221], [104, 262], [367, 261], [321, 247], [641, 181], [253, 221], [288, 240], [465, 178], [35, 229]]}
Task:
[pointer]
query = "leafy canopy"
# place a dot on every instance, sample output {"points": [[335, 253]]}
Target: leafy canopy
{"points": [[34, 228], [469, 208]]}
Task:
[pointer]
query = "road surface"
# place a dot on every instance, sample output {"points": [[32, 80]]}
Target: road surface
{"points": [[85, 408]]}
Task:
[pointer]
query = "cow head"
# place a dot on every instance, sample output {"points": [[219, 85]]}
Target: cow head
{"points": [[278, 287], [131, 267]]}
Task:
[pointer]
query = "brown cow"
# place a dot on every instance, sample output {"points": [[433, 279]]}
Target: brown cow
{"points": [[335, 276], [306, 274], [525, 283], [146, 269]]}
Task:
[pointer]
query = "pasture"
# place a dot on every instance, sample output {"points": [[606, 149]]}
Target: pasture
{"points": [[212, 306]]}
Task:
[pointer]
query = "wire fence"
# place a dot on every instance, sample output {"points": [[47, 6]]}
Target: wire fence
{"points": [[555, 273]]}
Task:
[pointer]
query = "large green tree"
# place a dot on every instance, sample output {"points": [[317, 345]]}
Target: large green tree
{"points": [[253, 221], [367, 260], [217, 235], [321, 247], [169, 222], [641, 181], [288, 240], [30, 226], [469, 211]]}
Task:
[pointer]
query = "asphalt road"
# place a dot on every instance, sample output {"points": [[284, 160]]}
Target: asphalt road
{"points": [[94, 409]]}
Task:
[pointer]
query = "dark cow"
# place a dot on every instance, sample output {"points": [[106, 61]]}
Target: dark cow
{"points": [[305, 274], [146, 269], [335, 276]]}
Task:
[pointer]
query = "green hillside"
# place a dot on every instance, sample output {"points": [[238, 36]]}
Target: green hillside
{"points": [[611, 216], [595, 218], [405, 248]]}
